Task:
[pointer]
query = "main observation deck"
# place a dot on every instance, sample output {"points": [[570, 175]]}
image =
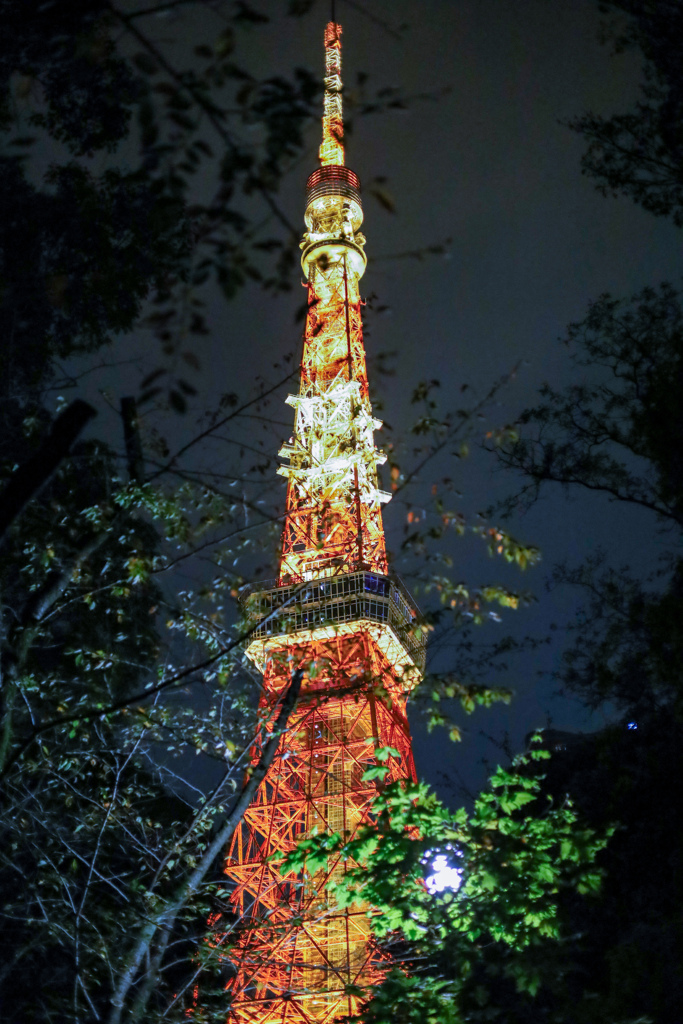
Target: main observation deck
{"points": [[334, 606]]}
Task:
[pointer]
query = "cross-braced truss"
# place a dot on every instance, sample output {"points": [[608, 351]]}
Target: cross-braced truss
{"points": [[300, 965], [332, 147], [334, 519]]}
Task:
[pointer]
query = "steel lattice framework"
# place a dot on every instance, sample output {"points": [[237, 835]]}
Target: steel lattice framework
{"points": [[337, 612]]}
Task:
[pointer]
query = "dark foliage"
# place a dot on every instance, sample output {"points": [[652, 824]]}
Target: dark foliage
{"points": [[630, 950], [640, 153], [619, 433], [66, 52], [79, 257]]}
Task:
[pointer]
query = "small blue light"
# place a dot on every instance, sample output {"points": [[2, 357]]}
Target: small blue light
{"points": [[632, 725]]}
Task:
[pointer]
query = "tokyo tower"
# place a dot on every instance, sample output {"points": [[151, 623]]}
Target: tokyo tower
{"points": [[336, 613]]}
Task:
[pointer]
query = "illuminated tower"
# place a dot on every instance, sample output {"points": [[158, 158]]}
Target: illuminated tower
{"points": [[337, 612]]}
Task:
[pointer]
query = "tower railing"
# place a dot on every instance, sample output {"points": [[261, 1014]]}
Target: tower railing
{"points": [[335, 600]]}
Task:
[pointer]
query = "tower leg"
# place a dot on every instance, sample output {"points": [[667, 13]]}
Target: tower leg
{"points": [[299, 956]]}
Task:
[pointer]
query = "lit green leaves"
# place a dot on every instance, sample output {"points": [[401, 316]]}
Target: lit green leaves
{"points": [[384, 753], [311, 854], [517, 853]]}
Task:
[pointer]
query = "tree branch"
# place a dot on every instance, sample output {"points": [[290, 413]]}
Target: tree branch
{"points": [[86, 714], [165, 919], [33, 474], [209, 109]]}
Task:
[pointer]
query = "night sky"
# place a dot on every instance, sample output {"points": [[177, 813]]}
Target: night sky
{"points": [[488, 166]]}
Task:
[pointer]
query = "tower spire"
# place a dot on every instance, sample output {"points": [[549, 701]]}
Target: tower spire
{"points": [[339, 616], [332, 146]]}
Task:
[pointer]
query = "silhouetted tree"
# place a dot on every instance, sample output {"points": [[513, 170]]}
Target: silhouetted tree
{"points": [[639, 153]]}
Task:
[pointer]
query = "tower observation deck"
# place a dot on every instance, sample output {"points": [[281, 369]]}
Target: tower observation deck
{"points": [[336, 612]]}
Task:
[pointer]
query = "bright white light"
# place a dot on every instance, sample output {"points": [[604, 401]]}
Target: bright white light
{"points": [[444, 876]]}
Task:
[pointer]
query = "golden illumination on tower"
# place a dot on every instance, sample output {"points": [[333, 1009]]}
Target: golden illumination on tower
{"points": [[336, 613]]}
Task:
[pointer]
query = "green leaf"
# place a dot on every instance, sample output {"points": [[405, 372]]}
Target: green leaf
{"points": [[384, 753]]}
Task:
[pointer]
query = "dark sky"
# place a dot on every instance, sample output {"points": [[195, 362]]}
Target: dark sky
{"points": [[489, 166]]}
